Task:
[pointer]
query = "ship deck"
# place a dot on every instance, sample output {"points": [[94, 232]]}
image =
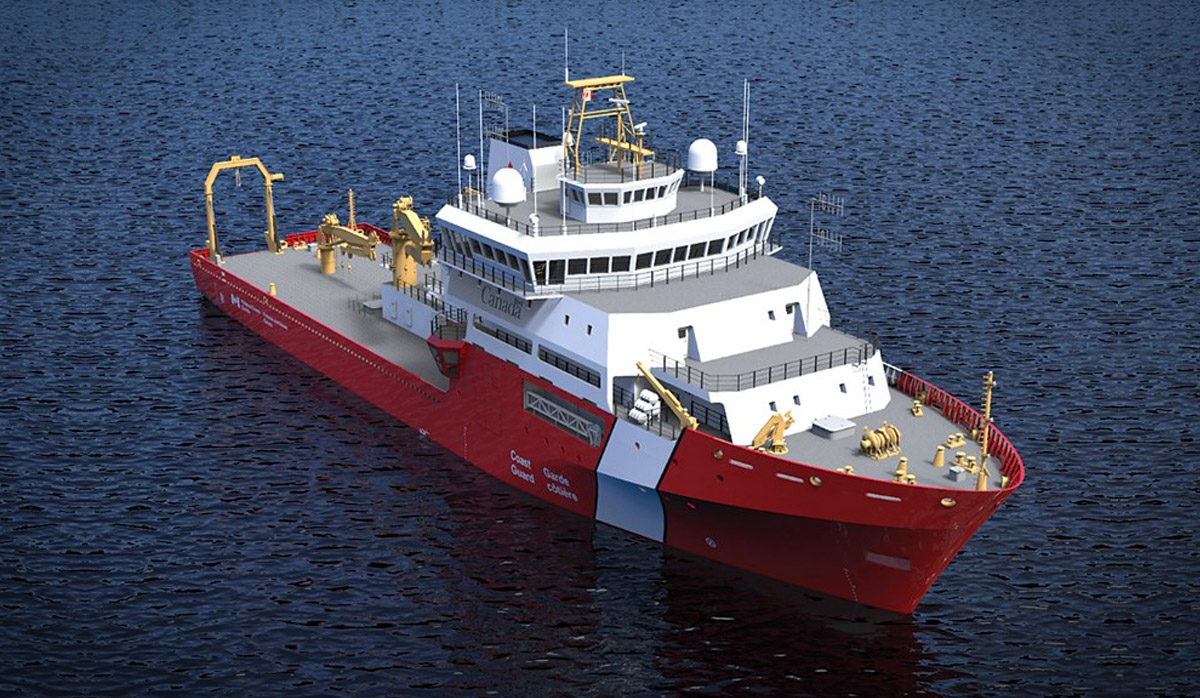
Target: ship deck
{"points": [[920, 439], [337, 301]]}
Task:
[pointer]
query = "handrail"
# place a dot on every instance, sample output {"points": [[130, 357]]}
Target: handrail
{"points": [[765, 376], [961, 414], [480, 209]]}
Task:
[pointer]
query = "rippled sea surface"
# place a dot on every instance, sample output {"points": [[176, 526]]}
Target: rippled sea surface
{"points": [[184, 510]]}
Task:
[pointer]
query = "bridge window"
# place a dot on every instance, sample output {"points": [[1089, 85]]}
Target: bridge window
{"points": [[620, 263], [639, 195], [539, 271], [610, 198], [577, 266], [643, 260], [662, 257], [557, 269], [594, 199], [716, 247], [599, 265], [681, 253], [697, 251], [628, 196]]}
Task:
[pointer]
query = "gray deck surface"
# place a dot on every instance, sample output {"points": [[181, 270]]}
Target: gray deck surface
{"points": [[920, 437], [824, 341], [336, 301], [755, 276]]}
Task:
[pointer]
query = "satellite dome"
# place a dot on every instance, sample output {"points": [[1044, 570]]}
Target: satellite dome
{"points": [[469, 162], [702, 156], [508, 187]]}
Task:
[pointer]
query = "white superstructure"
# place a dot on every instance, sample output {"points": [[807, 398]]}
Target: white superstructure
{"points": [[611, 256]]}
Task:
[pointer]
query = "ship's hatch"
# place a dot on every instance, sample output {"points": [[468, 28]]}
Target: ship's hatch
{"points": [[447, 354]]}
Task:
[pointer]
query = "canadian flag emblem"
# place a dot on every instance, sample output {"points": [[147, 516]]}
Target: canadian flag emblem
{"points": [[587, 95]]}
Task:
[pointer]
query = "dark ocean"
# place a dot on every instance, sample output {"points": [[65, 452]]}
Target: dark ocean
{"points": [[185, 511]]}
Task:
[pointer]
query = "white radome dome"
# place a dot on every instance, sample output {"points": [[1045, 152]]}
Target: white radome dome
{"points": [[508, 187], [702, 156]]}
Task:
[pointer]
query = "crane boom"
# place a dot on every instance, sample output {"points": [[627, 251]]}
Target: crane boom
{"points": [[686, 420]]}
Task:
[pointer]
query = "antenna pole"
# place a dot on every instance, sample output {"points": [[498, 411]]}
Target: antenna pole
{"points": [[566, 55], [745, 135], [458, 144], [533, 169], [482, 168]]}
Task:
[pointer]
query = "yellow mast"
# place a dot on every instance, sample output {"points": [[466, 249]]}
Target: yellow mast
{"points": [[982, 477], [628, 141], [235, 162]]}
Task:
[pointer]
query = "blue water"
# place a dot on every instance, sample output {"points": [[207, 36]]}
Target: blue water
{"points": [[184, 510]]}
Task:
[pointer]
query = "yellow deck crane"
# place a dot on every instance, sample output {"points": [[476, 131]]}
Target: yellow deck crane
{"points": [[234, 162], [412, 242], [686, 420], [333, 236], [770, 437]]}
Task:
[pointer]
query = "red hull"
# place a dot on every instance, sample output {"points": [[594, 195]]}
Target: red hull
{"points": [[873, 542]]}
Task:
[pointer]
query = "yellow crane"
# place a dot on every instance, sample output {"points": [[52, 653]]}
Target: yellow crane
{"points": [[770, 437], [234, 162], [686, 420], [332, 236], [412, 242]]}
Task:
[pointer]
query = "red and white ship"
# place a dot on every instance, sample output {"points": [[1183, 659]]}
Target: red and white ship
{"points": [[608, 329]]}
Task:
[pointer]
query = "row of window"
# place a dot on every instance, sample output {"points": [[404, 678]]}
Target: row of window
{"points": [[612, 198], [568, 366], [473, 248], [555, 271]]}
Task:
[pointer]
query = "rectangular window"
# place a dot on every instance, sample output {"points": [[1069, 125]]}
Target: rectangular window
{"points": [[662, 257], [557, 269], [716, 247], [594, 199], [639, 195], [662, 191], [732, 241], [620, 263], [475, 247], [599, 265], [628, 196], [487, 251], [512, 261], [539, 271], [610, 198], [525, 271], [643, 260], [569, 367], [697, 251], [681, 253], [577, 266]]}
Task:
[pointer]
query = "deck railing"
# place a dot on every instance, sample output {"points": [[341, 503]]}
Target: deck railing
{"points": [[473, 206], [961, 414], [764, 376], [662, 425]]}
